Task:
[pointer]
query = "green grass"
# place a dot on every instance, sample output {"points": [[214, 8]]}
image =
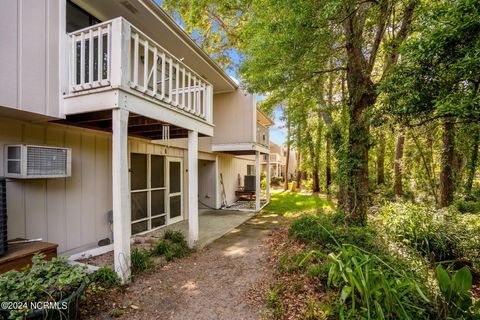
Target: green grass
{"points": [[289, 203]]}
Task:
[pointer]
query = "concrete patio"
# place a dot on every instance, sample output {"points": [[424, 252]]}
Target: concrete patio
{"points": [[212, 224]]}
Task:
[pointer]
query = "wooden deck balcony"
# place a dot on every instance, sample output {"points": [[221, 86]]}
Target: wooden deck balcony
{"points": [[114, 63]]}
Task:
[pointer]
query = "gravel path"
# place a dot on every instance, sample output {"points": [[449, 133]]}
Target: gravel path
{"points": [[211, 284]]}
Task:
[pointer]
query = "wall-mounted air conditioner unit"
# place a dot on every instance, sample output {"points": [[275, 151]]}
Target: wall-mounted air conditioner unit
{"points": [[34, 162]]}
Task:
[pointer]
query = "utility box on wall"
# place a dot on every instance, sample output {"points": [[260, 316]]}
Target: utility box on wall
{"points": [[35, 162]]}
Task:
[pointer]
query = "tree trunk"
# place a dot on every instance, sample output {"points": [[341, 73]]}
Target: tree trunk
{"points": [[381, 160], [472, 163], [427, 166], [447, 184], [299, 173], [315, 184], [356, 193], [398, 167], [285, 186], [328, 166]]}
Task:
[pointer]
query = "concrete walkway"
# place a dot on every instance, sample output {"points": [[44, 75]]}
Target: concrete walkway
{"points": [[212, 224]]}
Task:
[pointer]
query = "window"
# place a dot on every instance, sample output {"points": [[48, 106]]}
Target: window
{"points": [[250, 170], [147, 181], [77, 18]]}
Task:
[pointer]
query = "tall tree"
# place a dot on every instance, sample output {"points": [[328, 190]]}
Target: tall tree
{"points": [[287, 160], [447, 184], [288, 43], [381, 160], [214, 24], [473, 160], [439, 78], [398, 166]]}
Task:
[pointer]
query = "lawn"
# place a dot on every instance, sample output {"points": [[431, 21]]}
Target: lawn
{"points": [[290, 203]]}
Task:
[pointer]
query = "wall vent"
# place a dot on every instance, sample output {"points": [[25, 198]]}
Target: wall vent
{"points": [[34, 162]]}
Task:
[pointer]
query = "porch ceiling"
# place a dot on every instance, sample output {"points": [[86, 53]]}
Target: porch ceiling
{"points": [[138, 126]]}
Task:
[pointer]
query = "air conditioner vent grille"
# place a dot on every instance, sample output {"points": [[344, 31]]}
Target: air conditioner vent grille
{"points": [[46, 161], [37, 162]]}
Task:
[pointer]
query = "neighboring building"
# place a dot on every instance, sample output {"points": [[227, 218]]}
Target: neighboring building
{"points": [[150, 119], [278, 161]]}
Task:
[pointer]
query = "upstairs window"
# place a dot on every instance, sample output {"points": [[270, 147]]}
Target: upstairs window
{"points": [[77, 18]]}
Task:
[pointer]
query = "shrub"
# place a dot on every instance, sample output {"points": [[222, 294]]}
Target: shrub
{"points": [[276, 181], [46, 281], [160, 248], [434, 233], [325, 231], [173, 245], [465, 206], [140, 260], [106, 277], [174, 236]]}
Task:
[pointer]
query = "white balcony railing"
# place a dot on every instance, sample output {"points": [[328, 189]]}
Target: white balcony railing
{"points": [[115, 53], [262, 135]]}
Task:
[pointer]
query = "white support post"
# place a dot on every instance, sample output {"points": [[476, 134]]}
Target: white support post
{"points": [[121, 194], [120, 53], [257, 181], [218, 193], [192, 188], [209, 104], [268, 177]]}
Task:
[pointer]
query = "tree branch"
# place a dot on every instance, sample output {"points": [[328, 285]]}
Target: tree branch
{"points": [[401, 36], [381, 27]]}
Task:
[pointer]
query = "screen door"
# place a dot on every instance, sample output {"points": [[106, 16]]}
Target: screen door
{"points": [[175, 206]]}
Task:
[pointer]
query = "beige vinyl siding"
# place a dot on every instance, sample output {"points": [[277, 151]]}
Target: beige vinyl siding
{"points": [[68, 211], [30, 55], [231, 167], [234, 118]]}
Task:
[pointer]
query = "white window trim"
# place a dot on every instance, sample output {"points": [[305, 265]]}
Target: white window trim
{"points": [[149, 190], [167, 184]]}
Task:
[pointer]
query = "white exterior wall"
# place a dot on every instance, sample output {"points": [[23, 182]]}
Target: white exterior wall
{"points": [[230, 167], [68, 211], [30, 56]]}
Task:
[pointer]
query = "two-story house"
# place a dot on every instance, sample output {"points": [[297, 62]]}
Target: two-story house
{"points": [[113, 121], [278, 162]]}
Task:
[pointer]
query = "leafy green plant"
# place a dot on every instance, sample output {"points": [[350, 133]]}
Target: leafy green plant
{"points": [[105, 277], [369, 288], [327, 231], [160, 248], [141, 260], [434, 233], [456, 296], [274, 302], [173, 245], [465, 206], [175, 236], [48, 281]]}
